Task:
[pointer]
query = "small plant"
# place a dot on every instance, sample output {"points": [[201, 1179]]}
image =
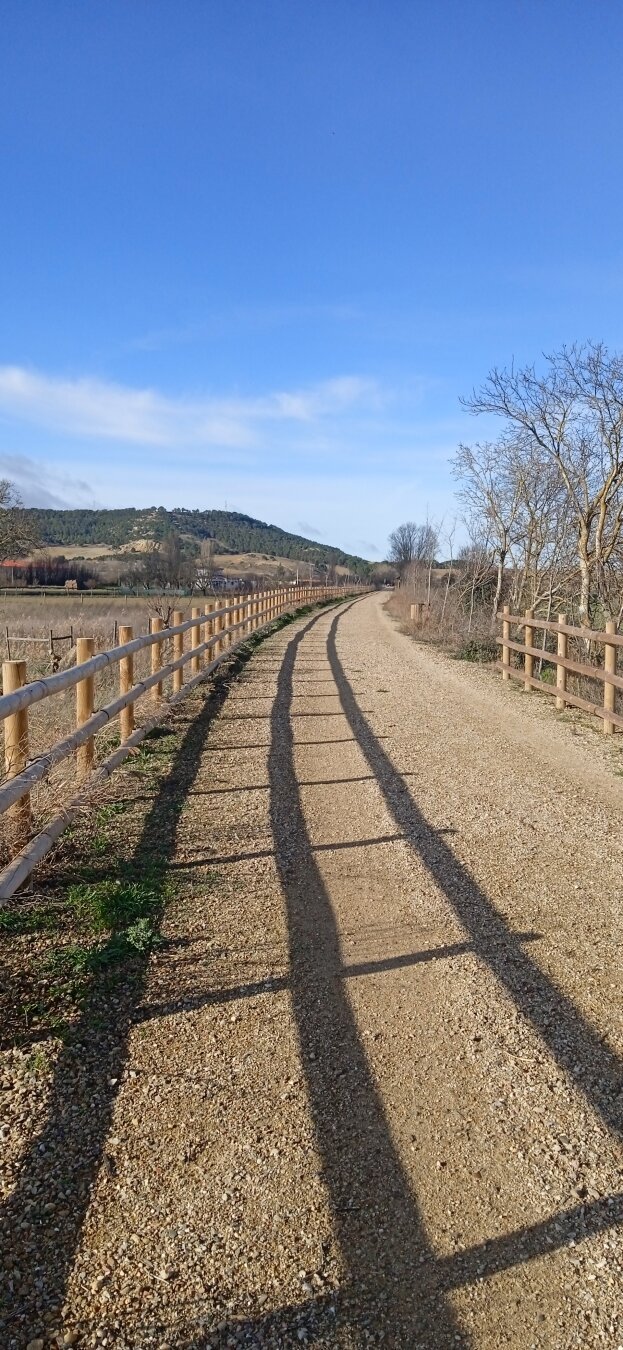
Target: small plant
{"points": [[39, 920], [73, 961], [140, 935], [109, 812], [37, 1063], [114, 903], [478, 649]]}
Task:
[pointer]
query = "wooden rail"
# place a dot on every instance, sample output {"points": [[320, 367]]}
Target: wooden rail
{"points": [[605, 675], [214, 633]]}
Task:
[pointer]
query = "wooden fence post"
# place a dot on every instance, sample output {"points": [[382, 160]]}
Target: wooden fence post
{"points": [[85, 703], [506, 632], [217, 625], [208, 631], [561, 673], [529, 642], [16, 752], [610, 667], [195, 638], [156, 625], [178, 650], [126, 680]]}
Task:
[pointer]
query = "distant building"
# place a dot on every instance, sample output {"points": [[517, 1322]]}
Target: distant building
{"points": [[12, 571]]}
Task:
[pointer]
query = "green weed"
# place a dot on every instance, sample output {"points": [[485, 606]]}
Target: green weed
{"points": [[71, 961], [37, 1063], [140, 935], [114, 903], [39, 920]]}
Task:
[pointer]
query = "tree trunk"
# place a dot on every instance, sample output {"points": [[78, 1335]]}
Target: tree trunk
{"points": [[585, 593], [498, 591]]}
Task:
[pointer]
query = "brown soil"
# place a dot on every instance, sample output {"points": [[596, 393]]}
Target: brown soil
{"points": [[370, 1090]]}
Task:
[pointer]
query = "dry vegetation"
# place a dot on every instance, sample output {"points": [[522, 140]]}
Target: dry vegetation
{"points": [[447, 623], [54, 718], [543, 511]]}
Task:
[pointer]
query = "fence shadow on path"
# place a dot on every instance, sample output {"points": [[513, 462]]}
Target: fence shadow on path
{"points": [[42, 1219], [578, 1049], [395, 1282], [380, 1231]]}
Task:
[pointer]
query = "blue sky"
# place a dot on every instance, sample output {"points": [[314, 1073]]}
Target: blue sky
{"points": [[252, 251]]}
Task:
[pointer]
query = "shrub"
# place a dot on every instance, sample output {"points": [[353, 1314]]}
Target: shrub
{"points": [[478, 649]]}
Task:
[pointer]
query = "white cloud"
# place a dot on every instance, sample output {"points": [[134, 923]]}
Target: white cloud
{"points": [[349, 454], [40, 485], [108, 411]]}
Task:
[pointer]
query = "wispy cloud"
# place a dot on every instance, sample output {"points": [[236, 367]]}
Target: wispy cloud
{"points": [[101, 409], [251, 319], [41, 485], [304, 527]]}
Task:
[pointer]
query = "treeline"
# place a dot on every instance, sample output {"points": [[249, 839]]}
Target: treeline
{"points": [[543, 501], [47, 571], [232, 532]]}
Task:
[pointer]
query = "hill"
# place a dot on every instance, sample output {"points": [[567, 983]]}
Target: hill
{"points": [[231, 531]]}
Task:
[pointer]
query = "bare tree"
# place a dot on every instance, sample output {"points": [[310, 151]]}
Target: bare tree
{"points": [[491, 492], [17, 535], [449, 534], [476, 575], [573, 413], [205, 568], [402, 545], [412, 545]]}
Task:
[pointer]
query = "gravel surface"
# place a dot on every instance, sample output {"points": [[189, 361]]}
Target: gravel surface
{"points": [[369, 1090]]}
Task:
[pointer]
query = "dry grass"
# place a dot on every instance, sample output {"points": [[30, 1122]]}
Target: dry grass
{"points": [[88, 615], [54, 718], [451, 629]]}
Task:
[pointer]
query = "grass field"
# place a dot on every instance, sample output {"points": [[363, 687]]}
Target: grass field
{"points": [[87, 615], [54, 718]]}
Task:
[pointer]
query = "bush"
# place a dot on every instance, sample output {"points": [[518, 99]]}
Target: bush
{"points": [[478, 649]]}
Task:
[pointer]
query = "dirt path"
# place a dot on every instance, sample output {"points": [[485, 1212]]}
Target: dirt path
{"points": [[373, 1090]]}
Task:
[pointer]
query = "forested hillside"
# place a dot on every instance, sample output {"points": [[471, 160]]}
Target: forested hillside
{"points": [[231, 530]]}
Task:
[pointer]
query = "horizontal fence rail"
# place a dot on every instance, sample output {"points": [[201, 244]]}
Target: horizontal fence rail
{"points": [[214, 634], [605, 674]]}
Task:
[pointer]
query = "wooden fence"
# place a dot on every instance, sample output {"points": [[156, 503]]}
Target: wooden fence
{"points": [[52, 639], [215, 630], [605, 674]]}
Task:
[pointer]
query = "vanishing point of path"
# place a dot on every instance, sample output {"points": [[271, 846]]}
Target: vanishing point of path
{"points": [[372, 1092]]}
